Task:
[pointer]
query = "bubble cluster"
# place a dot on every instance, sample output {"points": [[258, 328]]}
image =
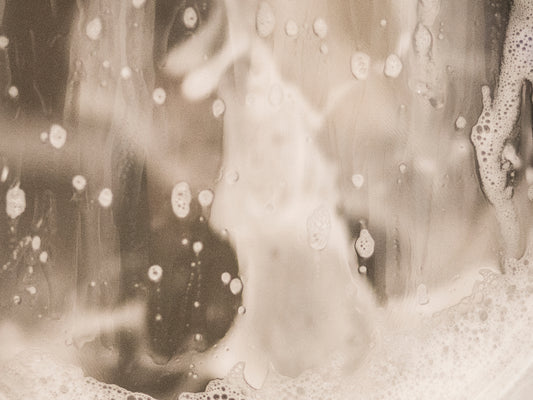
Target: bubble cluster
{"points": [[265, 20], [494, 128], [318, 228], [181, 199]]}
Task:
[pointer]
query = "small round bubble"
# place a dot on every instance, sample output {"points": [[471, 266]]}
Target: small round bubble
{"points": [[225, 278], [155, 273], [105, 198], [4, 42], [235, 286], [58, 136], [159, 96], [79, 182], [94, 29], [205, 197], [320, 28], [190, 18], [13, 92], [291, 28], [218, 108]]}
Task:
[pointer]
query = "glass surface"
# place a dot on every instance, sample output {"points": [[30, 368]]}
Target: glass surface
{"points": [[290, 199]]}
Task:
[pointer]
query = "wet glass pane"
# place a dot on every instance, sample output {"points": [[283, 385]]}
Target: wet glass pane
{"points": [[282, 199]]}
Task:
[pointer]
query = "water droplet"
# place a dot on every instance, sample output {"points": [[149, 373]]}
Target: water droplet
{"points": [[13, 92], [218, 108], [364, 245], [324, 48], [265, 20], [43, 136], [79, 182], [235, 286], [155, 273], [205, 197], [225, 277], [15, 202], [4, 42], [36, 243], [291, 28], [197, 247], [393, 66], [158, 317], [241, 310], [105, 198], [185, 242], [106, 64], [358, 180], [383, 23], [460, 122], [422, 294], [94, 29], [43, 257], [363, 269], [31, 290], [198, 337], [196, 304], [17, 300], [5, 173], [125, 72], [232, 177], [190, 18], [320, 28], [58, 136], [360, 65], [181, 199], [403, 168], [159, 95]]}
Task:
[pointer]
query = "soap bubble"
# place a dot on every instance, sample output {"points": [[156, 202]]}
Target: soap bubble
{"points": [[218, 108], [155, 273], [79, 182], [105, 198], [58, 136], [190, 18], [159, 95], [235, 286]]}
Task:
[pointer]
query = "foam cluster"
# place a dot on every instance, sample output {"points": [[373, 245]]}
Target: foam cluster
{"points": [[478, 347], [494, 130], [39, 376]]}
